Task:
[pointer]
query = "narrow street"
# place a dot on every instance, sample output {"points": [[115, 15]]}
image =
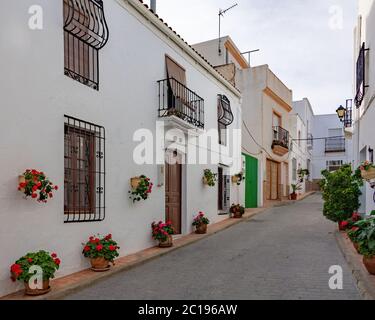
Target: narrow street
{"points": [[284, 253]]}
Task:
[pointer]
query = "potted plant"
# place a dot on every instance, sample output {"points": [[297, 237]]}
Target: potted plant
{"points": [[341, 191], [302, 173], [101, 251], [237, 211], [35, 184], [163, 232], [200, 223], [356, 233], [238, 178], [141, 188], [209, 178], [367, 170], [367, 246], [26, 269], [295, 188]]}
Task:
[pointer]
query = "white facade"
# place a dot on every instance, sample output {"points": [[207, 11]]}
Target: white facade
{"points": [[35, 97], [331, 149], [364, 115], [302, 121], [264, 96]]}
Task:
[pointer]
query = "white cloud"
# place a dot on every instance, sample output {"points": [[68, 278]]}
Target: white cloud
{"points": [[294, 36]]}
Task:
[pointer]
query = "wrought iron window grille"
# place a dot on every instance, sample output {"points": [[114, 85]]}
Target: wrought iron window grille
{"points": [[348, 119], [85, 33], [175, 99], [225, 114], [361, 76], [335, 144], [84, 171]]}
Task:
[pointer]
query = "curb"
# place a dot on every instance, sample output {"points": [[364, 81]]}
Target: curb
{"points": [[364, 281], [86, 278]]}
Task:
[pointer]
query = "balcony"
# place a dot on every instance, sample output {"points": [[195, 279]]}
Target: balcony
{"points": [[310, 141], [280, 143], [335, 145], [180, 105]]}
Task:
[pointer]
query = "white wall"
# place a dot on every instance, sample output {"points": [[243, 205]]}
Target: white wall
{"points": [[364, 134], [35, 97], [322, 124]]}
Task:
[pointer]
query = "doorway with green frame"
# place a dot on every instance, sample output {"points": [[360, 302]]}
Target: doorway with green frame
{"points": [[251, 181]]}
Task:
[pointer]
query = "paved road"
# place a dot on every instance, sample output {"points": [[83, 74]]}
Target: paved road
{"points": [[284, 253]]}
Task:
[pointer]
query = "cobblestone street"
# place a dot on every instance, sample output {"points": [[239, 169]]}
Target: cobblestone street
{"points": [[284, 253]]}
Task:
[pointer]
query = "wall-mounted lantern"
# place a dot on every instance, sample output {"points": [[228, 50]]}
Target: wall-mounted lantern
{"points": [[341, 112]]}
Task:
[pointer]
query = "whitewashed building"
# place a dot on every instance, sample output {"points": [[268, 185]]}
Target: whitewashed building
{"points": [[331, 149], [266, 107], [83, 97], [302, 120], [364, 93]]}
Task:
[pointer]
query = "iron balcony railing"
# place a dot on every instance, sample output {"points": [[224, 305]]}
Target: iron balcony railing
{"points": [[336, 144], [280, 137], [310, 141], [175, 99]]}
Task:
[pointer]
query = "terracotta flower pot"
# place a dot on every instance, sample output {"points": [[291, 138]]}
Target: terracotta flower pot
{"points": [[37, 292], [166, 244], [237, 215], [201, 229], [293, 196], [134, 182], [100, 264], [369, 264], [235, 179]]}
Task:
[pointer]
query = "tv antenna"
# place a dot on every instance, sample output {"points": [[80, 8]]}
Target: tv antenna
{"points": [[249, 54], [221, 14]]}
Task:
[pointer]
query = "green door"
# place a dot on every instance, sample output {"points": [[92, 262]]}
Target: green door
{"points": [[251, 182]]}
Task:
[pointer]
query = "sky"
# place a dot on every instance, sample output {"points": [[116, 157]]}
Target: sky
{"points": [[307, 43]]}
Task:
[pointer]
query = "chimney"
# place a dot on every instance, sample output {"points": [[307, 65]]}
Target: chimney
{"points": [[153, 5]]}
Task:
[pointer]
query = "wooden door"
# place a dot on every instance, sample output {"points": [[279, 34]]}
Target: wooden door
{"points": [[173, 187], [272, 180]]}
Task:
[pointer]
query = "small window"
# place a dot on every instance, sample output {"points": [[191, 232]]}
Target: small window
{"points": [[85, 33], [84, 171]]}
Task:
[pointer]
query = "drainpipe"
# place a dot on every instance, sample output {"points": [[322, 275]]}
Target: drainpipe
{"points": [[153, 5]]}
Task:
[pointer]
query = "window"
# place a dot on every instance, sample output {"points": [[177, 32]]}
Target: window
{"points": [[294, 169], [334, 165], [85, 33], [84, 171], [225, 118], [224, 192]]}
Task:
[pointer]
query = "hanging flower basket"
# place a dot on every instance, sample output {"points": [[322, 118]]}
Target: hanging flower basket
{"points": [[209, 178], [367, 171], [36, 185], [141, 188]]}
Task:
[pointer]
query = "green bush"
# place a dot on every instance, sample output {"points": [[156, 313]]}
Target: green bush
{"points": [[341, 191]]}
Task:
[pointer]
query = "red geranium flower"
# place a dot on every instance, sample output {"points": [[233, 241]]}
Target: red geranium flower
{"points": [[99, 247], [54, 255], [30, 260], [87, 249], [57, 261], [108, 237], [112, 248], [34, 195], [56, 188]]}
